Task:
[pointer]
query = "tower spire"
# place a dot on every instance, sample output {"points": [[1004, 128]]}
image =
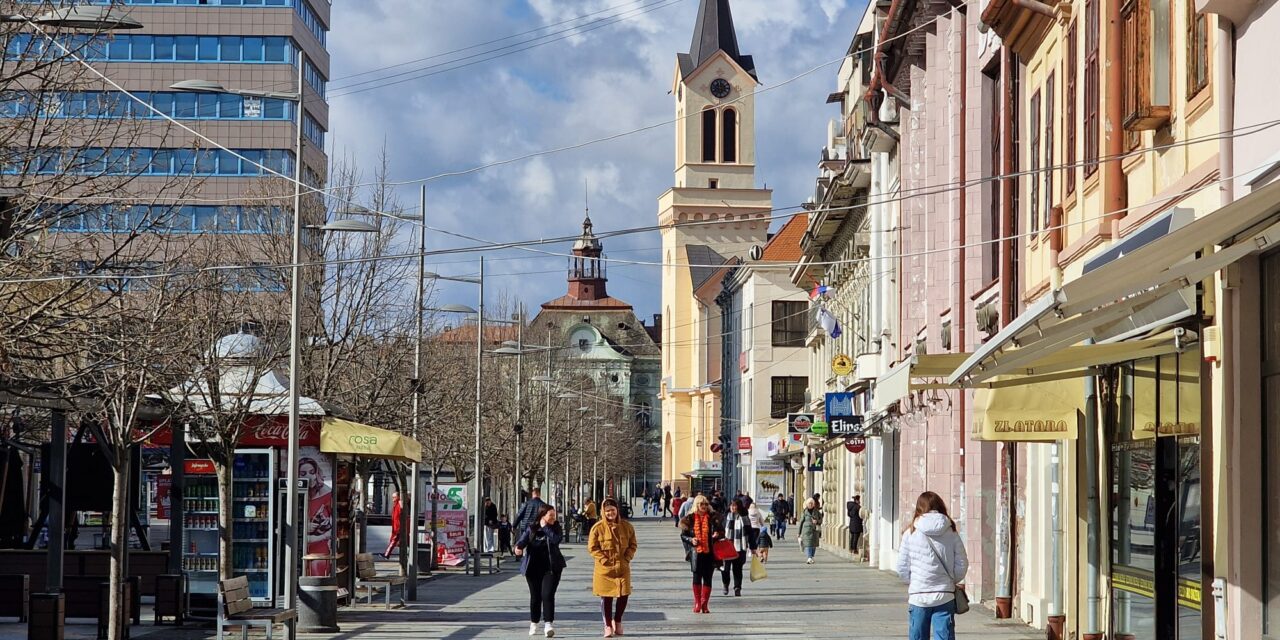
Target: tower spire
{"points": [[715, 32]]}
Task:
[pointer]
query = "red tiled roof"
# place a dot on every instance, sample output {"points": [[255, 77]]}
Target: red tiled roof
{"points": [[784, 246], [570, 302], [494, 334]]}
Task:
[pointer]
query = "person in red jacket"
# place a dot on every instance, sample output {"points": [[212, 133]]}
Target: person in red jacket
{"points": [[395, 526]]}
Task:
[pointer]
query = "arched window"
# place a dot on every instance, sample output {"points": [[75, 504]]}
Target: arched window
{"points": [[730, 138], [709, 135]]}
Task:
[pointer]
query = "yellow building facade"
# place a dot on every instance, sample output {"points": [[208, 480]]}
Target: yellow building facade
{"points": [[713, 212]]}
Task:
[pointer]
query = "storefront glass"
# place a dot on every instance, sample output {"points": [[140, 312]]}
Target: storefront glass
{"points": [[1155, 498]]}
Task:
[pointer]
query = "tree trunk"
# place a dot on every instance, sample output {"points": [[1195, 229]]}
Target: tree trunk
{"points": [[224, 520], [118, 614]]}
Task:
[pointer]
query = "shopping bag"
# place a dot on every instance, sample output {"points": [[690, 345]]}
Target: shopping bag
{"points": [[724, 550], [757, 570]]}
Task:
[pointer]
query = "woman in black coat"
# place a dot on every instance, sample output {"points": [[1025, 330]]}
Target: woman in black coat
{"points": [[541, 564], [699, 531]]}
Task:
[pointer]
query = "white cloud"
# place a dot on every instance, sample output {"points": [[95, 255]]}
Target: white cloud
{"points": [[598, 84]]}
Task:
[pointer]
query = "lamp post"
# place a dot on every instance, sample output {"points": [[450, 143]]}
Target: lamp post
{"points": [[295, 301]]}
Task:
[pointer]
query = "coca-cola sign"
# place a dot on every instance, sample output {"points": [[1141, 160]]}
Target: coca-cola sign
{"points": [[258, 431]]}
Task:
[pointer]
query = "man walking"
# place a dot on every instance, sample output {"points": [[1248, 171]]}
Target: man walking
{"points": [[854, 509], [781, 510], [529, 512], [490, 525]]}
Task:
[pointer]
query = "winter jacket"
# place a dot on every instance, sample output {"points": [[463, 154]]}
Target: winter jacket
{"points": [[736, 529], [917, 564], [613, 548], [810, 520], [854, 510], [543, 543], [528, 513], [686, 536]]}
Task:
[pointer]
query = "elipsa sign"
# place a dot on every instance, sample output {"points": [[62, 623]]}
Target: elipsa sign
{"points": [[840, 415]]}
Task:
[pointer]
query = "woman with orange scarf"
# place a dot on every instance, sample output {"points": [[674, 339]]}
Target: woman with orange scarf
{"points": [[699, 531]]}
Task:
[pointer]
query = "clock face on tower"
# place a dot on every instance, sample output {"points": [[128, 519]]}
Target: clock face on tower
{"points": [[720, 87]]}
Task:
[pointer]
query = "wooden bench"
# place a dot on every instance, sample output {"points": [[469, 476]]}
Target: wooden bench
{"points": [[235, 609], [367, 577]]}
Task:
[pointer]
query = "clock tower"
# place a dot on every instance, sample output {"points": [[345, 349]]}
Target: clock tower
{"points": [[714, 212]]}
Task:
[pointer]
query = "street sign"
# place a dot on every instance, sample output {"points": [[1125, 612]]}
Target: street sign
{"points": [[800, 423], [855, 444], [842, 365], [840, 415], [744, 443]]}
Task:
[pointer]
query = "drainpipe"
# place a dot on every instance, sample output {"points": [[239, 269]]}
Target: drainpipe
{"points": [[1224, 93], [959, 310], [1004, 522], [1056, 619], [1093, 512], [1114, 191]]}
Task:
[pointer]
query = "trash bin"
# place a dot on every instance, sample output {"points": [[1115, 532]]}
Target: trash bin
{"points": [[45, 620], [317, 604]]}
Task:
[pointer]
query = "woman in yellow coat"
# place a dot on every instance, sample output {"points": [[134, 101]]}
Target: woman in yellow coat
{"points": [[612, 543]]}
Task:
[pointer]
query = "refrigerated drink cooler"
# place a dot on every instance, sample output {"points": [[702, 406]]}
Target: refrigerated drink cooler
{"points": [[252, 529]]}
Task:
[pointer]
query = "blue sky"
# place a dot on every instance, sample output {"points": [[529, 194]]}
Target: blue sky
{"points": [[612, 79]]}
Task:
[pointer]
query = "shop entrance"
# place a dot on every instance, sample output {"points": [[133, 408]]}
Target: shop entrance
{"points": [[1155, 498]]}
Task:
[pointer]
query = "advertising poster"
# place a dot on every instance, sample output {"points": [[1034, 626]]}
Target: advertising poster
{"points": [[451, 522], [163, 484], [316, 470], [768, 482]]}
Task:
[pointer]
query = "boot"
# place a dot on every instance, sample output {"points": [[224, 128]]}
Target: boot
{"points": [[706, 598], [697, 597]]}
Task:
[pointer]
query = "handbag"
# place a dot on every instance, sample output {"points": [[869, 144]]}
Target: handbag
{"points": [[724, 550], [962, 598], [758, 571]]}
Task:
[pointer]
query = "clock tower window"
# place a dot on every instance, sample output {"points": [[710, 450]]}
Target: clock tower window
{"points": [[709, 135], [729, 140]]}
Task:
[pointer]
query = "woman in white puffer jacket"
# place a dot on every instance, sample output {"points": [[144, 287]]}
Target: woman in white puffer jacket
{"points": [[932, 561]]}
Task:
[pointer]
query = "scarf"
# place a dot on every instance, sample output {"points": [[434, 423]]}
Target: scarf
{"points": [[702, 533]]}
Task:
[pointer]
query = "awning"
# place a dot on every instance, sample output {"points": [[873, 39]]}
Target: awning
{"points": [[353, 438], [1095, 304], [1038, 412], [932, 371]]}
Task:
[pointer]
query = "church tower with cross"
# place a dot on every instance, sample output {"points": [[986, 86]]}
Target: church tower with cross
{"points": [[713, 213]]}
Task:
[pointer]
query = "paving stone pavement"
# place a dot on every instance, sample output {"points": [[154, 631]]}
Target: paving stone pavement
{"points": [[832, 598]]}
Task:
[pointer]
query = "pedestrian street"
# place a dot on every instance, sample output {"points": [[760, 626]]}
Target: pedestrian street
{"points": [[833, 598]]}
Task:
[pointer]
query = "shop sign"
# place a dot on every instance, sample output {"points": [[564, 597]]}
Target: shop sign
{"points": [[855, 444], [744, 443], [199, 467], [773, 445], [818, 463], [840, 415], [842, 365], [1038, 412], [800, 423], [821, 428]]}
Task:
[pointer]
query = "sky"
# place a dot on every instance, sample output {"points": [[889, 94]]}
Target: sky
{"points": [[606, 74]]}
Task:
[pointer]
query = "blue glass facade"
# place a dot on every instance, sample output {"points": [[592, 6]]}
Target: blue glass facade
{"points": [[173, 219], [175, 104], [141, 161]]}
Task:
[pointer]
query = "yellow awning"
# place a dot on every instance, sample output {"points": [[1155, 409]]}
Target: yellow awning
{"points": [[1037, 412], [353, 438]]}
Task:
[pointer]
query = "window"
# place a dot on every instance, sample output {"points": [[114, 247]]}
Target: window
{"points": [[1033, 131], [1145, 25], [1197, 51], [786, 395], [1070, 98], [709, 135], [156, 162], [1049, 122], [790, 323], [730, 141], [712, 183], [1091, 86], [180, 48]]}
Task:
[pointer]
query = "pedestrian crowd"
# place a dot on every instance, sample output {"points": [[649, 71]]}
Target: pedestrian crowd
{"points": [[732, 536]]}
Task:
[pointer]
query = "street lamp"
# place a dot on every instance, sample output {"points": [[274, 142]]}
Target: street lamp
{"points": [[79, 17], [295, 301], [476, 537]]}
